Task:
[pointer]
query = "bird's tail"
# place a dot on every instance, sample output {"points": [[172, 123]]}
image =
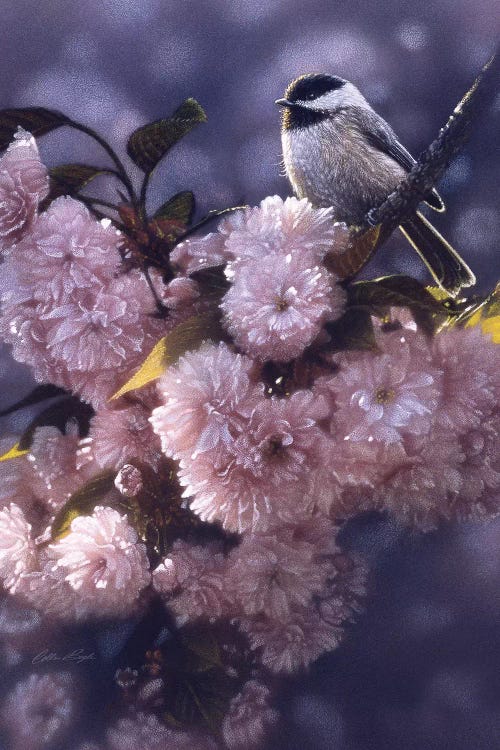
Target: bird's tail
{"points": [[444, 263]]}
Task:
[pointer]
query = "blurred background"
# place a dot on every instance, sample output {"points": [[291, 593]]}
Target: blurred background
{"points": [[421, 667]]}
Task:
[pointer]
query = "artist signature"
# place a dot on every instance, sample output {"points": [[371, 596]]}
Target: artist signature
{"points": [[78, 655]]}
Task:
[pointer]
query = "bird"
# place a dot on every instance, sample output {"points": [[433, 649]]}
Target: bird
{"points": [[338, 152]]}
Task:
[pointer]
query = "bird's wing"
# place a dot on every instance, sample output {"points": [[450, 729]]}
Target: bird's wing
{"points": [[381, 136]]}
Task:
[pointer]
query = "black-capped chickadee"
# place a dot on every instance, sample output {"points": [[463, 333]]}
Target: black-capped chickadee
{"points": [[339, 152]]}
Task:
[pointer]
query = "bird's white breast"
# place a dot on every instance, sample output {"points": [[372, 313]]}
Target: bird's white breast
{"points": [[332, 164]]}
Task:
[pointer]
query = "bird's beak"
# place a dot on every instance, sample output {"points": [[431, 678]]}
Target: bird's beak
{"points": [[284, 103]]}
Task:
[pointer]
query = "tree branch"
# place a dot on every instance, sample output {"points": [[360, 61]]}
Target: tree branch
{"points": [[402, 203]]}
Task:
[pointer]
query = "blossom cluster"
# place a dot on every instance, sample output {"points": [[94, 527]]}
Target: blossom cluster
{"points": [[69, 312], [266, 440]]}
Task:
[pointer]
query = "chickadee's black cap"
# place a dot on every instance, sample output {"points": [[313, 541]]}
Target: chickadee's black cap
{"points": [[312, 86]]}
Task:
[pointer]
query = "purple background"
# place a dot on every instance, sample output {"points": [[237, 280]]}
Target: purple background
{"points": [[420, 668]]}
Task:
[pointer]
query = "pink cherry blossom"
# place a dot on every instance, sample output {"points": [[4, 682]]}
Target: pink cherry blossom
{"points": [[118, 435], [102, 560], [192, 578], [24, 183], [17, 548], [250, 718], [90, 345], [281, 226], [66, 249], [287, 645], [382, 396], [102, 335], [345, 589], [354, 472], [276, 225], [470, 362], [21, 326], [479, 496], [179, 293], [17, 485], [41, 481], [197, 253], [418, 489], [66, 311], [291, 644], [92, 330], [52, 458], [270, 574], [47, 590], [146, 732], [39, 710], [263, 475], [445, 476], [275, 309], [129, 480], [206, 397]]}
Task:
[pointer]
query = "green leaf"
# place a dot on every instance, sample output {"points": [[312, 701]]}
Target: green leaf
{"points": [[147, 145], [201, 651], [68, 179], [199, 690], [58, 415], [399, 291], [179, 208], [203, 698], [36, 120], [354, 330], [82, 502], [212, 282], [199, 685]]}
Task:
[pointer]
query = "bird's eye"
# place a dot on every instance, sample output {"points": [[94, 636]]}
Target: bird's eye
{"points": [[310, 96]]}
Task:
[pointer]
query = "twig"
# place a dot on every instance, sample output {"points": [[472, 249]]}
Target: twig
{"points": [[402, 203], [215, 214], [120, 170]]}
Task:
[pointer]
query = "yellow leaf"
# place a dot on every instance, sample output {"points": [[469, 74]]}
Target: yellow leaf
{"points": [[475, 319], [13, 452], [184, 337], [491, 326], [487, 316], [438, 293], [151, 368]]}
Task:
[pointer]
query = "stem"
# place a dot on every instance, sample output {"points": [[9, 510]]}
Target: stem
{"points": [[144, 187], [120, 170], [162, 310]]}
